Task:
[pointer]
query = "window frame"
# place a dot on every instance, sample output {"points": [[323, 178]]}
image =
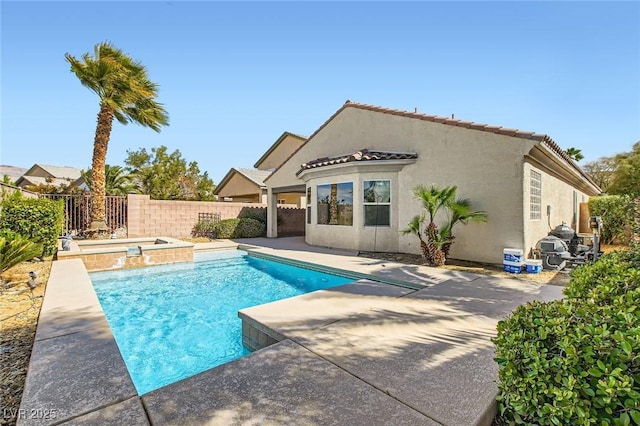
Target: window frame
{"points": [[365, 204], [535, 195], [338, 184]]}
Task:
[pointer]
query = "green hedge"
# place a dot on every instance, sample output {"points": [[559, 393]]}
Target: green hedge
{"points": [[616, 212], [576, 361], [38, 219], [240, 228], [205, 228]]}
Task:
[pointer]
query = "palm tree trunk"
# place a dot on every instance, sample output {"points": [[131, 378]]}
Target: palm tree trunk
{"points": [[333, 205], [100, 143]]}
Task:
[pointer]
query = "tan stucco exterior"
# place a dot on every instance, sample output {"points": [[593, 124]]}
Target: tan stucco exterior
{"points": [[490, 169], [241, 190], [279, 151]]}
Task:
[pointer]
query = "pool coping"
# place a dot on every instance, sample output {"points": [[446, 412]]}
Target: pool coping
{"points": [[76, 370]]}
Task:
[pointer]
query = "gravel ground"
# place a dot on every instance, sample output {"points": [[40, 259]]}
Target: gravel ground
{"points": [[19, 310]]}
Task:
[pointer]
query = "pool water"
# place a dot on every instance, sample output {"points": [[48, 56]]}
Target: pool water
{"points": [[174, 321]]}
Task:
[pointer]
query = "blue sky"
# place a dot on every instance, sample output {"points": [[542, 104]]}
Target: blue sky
{"points": [[234, 76]]}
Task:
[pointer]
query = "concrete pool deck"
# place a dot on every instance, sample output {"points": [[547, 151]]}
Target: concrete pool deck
{"points": [[362, 353]]}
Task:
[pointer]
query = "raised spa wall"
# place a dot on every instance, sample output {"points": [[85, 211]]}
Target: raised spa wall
{"points": [[106, 255]]}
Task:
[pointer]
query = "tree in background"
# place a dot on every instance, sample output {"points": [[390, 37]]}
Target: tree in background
{"points": [[166, 176], [575, 154], [126, 94], [116, 182], [626, 179], [601, 171], [618, 175]]}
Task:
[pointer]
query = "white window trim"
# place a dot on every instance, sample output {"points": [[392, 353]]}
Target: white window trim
{"points": [[365, 203]]}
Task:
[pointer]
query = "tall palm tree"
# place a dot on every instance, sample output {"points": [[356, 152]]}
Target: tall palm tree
{"points": [[116, 181], [126, 94]]}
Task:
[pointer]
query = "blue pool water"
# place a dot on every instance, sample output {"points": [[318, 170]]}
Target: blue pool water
{"points": [[171, 322]]}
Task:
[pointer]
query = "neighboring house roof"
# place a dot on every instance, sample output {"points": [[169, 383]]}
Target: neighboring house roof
{"points": [[39, 180], [255, 176], [61, 172], [361, 155], [50, 175], [542, 138], [276, 144]]}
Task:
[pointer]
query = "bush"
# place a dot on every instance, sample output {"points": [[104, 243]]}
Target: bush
{"points": [[240, 228], [38, 219], [205, 228], [14, 248], [576, 361], [615, 274], [257, 213], [616, 212]]}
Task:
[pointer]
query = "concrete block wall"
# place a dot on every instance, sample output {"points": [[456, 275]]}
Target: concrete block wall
{"points": [[149, 218]]}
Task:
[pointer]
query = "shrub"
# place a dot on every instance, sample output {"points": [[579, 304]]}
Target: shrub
{"points": [[14, 248], [240, 228], [616, 212], [616, 273], [577, 360], [205, 228], [257, 213], [38, 219]]}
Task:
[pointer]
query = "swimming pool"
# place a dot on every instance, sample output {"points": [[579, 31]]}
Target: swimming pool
{"points": [[174, 321]]}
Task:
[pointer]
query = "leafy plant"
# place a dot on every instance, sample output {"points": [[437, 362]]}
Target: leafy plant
{"points": [[14, 248], [617, 214], [577, 360], [39, 219], [435, 247], [240, 228], [205, 228]]}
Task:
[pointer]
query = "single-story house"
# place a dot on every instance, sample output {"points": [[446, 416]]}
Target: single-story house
{"points": [[44, 174], [243, 186], [247, 185], [523, 180]]}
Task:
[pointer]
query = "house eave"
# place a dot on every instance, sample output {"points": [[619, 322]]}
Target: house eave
{"points": [[354, 167]]}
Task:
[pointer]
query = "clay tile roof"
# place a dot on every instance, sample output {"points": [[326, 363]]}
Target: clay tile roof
{"points": [[361, 155]]}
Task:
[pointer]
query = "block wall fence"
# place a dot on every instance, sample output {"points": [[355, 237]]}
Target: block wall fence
{"points": [[169, 218]]}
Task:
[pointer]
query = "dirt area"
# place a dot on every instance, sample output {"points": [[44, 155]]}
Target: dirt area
{"points": [[19, 309]]}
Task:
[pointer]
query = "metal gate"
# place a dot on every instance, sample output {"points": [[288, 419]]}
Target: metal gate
{"points": [[77, 212]]}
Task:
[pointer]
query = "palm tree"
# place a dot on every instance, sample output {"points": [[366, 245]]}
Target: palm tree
{"points": [[126, 94], [116, 181], [433, 199], [575, 153]]}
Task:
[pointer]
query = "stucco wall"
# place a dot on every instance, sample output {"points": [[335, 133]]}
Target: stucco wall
{"points": [[564, 206], [239, 186], [281, 152], [486, 167]]}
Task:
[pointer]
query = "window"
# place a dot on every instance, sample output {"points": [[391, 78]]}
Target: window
{"points": [[335, 204], [535, 196], [309, 205], [376, 199], [282, 201]]}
